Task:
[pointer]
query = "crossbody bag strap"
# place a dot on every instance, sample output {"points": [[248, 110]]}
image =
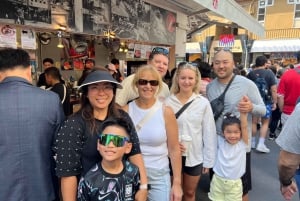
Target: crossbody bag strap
{"points": [[146, 118], [183, 108], [224, 92]]}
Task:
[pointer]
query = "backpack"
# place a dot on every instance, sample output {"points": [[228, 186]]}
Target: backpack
{"points": [[263, 89]]}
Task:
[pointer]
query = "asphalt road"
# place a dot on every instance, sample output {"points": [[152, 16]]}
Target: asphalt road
{"points": [[265, 184]]}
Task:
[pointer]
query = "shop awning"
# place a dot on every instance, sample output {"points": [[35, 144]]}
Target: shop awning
{"points": [[228, 9], [282, 45], [193, 47]]}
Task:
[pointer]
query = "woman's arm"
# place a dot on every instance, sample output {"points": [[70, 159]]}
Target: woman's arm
{"points": [[174, 152], [69, 188], [137, 159]]}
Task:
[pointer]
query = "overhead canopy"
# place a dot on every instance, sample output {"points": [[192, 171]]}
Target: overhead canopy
{"points": [[193, 47], [227, 9], [282, 45]]}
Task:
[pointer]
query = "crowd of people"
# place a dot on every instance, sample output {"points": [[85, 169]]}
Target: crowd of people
{"points": [[135, 138]]}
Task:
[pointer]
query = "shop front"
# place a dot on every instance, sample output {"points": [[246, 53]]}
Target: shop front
{"points": [[281, 50]]}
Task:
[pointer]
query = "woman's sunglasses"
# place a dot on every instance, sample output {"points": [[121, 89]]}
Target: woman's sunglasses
{"points": [[117, 140], [145, 82]]}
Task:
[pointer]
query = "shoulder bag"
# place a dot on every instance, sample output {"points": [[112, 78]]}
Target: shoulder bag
{"points": [[217, 105]]}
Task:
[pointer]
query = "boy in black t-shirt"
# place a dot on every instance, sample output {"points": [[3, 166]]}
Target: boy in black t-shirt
{"points": [[113, 178]]}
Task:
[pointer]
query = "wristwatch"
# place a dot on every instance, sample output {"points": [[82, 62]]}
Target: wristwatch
{"points": [[286, 182], [144, 186]]}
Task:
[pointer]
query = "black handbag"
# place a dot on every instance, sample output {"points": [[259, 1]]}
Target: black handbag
{"points": [[217, 105]]}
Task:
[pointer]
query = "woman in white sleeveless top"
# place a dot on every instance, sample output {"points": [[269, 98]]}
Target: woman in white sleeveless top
{"points": [[158, 134]]}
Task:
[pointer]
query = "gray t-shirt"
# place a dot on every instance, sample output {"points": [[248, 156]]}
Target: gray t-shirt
{"points": [[289, 138], [240, 87]]}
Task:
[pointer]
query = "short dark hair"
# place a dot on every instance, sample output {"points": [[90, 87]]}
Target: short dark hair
{"points": [[54, 72], [11, 58], [117, 121], [260, 61], [90, 60], [48, 60], [115, 61]]}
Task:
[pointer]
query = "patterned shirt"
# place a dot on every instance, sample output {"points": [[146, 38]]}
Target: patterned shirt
{"points": [[100, 185]]}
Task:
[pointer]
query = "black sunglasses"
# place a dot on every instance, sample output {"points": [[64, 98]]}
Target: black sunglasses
{"points": [[145, 82], [117, 140], [160, 50]]}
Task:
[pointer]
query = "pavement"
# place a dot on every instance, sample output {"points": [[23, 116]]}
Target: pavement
{"points": [[265, 183]]}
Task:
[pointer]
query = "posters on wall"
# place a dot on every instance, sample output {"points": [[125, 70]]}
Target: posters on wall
{"points": [[8, 36], [129, 19], [28, 39]]}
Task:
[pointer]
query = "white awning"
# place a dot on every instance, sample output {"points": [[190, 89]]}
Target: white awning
{"points": [[232, 11], [282, 45], [228, 9], [193, 47]]}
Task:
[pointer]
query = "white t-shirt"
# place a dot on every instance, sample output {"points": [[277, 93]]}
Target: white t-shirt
{"points": [[231, 159]]}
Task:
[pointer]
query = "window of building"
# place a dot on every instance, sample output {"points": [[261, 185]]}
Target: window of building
{"points": [[261, 11], [297, 15], [293, 1], [270, 2]]}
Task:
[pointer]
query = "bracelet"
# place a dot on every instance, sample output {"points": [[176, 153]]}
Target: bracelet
{"points": [[143, 186]]}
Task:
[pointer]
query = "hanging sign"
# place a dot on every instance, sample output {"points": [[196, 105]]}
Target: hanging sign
{"points": [[8, 36]]}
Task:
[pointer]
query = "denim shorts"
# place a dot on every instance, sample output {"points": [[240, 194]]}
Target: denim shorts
{"points": [[160, 182]]}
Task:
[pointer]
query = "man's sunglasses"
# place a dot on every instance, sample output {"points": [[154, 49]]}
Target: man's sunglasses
{"points": [[160, 50], [226, 49], [145, 82], [117, 140]]}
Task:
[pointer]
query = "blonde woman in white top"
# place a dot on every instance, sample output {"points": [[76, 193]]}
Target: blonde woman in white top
{"points": [[158, 134], [197, 122]]}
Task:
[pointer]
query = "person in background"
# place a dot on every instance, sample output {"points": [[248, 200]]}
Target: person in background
{"points": [[159, 59], [198, 123], [53, 76], [89, 64], [118, 75], [226, 184], [29, 119], [241, 96], [112, 70], [289, 156], [112, 178], [47, 62], [266, 82], [288, 90], [205, 71], [76, 141], [158, 133]]}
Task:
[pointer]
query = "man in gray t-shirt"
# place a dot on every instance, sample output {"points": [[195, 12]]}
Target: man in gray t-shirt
{"points": [[289, 156], [242, 95]]}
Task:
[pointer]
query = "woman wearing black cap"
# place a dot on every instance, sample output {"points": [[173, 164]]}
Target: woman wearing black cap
{"points": [[76, 142]]}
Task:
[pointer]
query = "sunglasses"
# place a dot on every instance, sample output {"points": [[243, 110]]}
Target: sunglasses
{"points": [[145, 82], [160, 50], [226, 49], [117, 140]]}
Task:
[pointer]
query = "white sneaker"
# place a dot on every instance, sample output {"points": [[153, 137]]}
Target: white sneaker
{"points": [[262, 148]]}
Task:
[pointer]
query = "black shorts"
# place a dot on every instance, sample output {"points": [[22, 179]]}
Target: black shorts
{"points": [[246, 178], [192, 171]]}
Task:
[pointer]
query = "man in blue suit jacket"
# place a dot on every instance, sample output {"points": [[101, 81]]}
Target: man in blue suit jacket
{"points": [[29, 119]]}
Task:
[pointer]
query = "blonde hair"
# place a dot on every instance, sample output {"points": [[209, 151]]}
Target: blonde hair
{"points": [[184, 65], [147, 68]]}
